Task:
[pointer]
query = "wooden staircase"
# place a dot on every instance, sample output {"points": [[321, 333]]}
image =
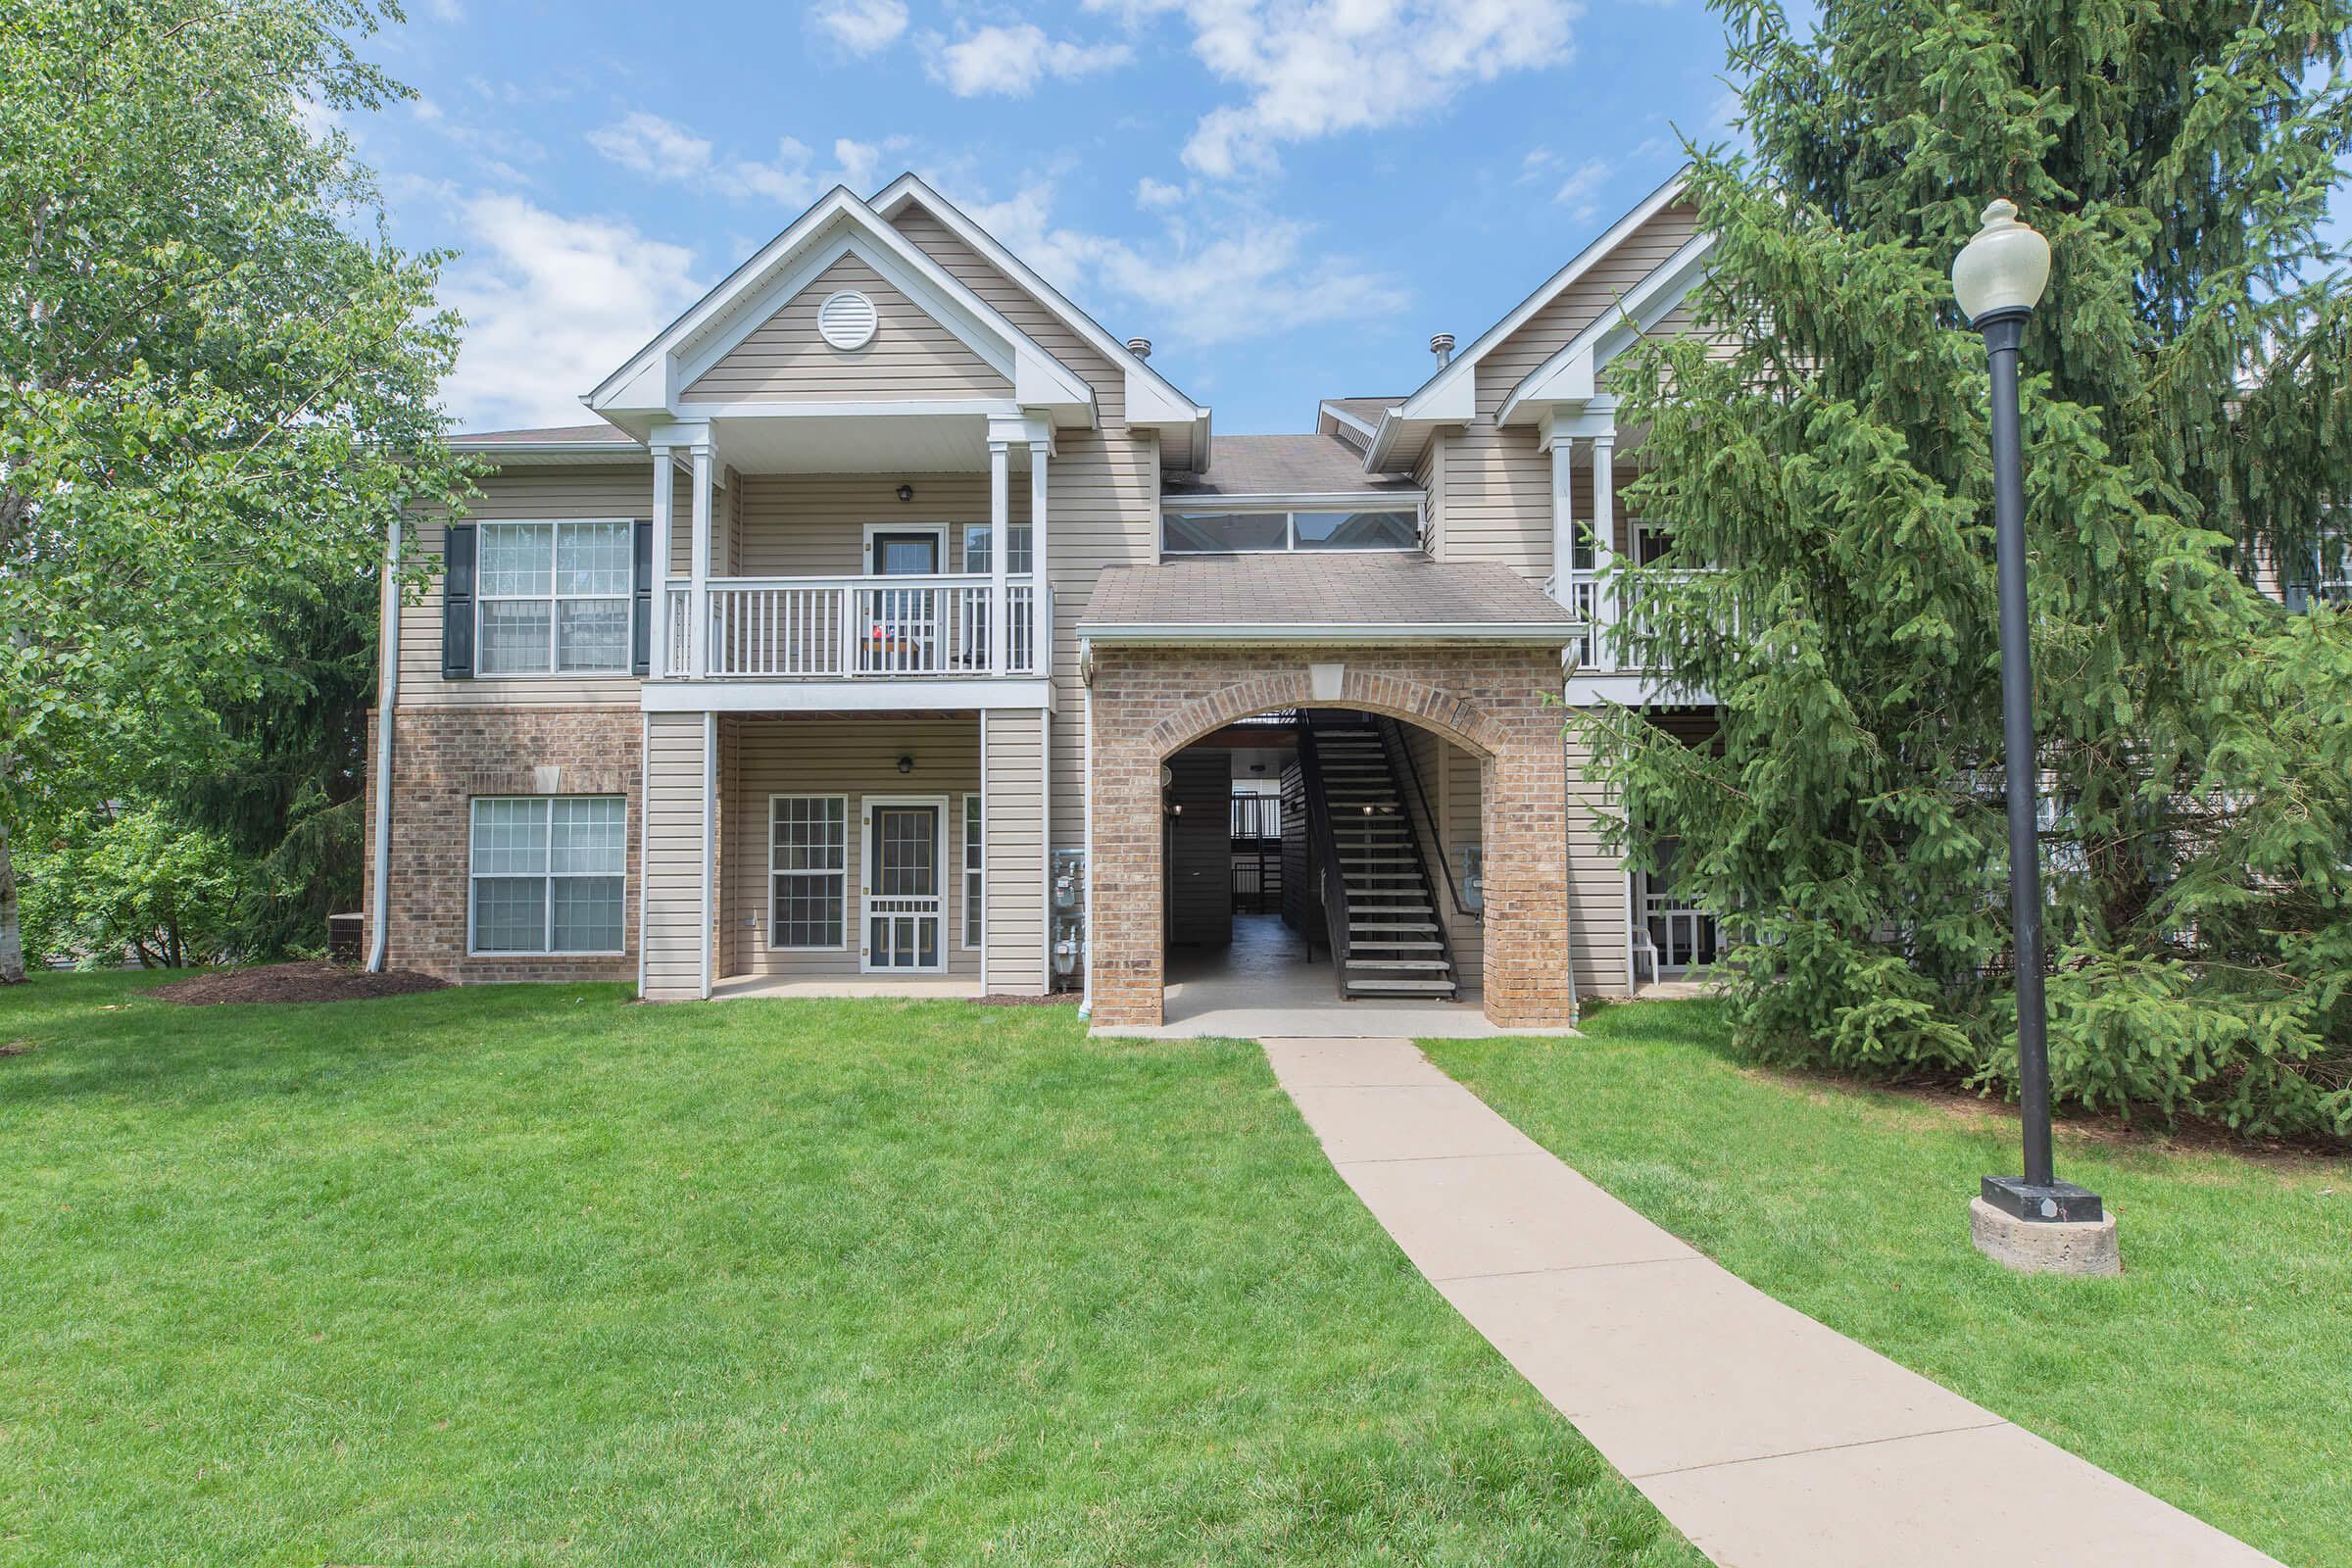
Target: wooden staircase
{"points": [[1387, 939]]}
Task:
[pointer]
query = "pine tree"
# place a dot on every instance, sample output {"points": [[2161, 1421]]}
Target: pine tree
{"points": [[2188, 428]]}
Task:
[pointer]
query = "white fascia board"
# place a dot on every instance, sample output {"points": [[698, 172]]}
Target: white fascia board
{"points": [[856, 408], [877, 696], [1571, 374], [668, 363], [1538, 633], [1631, 688], [510, 453], [1270, 501], [1151, 398], [1454, 387], [1338, 416]]}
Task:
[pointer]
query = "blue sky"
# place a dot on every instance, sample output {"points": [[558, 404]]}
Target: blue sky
{"points": [[1288, 198]]}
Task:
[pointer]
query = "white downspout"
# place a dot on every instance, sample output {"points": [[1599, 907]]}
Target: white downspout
{"points": [[387, 694], [988, 926], [1086, 880]]}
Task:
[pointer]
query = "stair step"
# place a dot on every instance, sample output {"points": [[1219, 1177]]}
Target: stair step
{"points": [[1397, 965], [1407, 988], [1355, 926], [1394, 944]]}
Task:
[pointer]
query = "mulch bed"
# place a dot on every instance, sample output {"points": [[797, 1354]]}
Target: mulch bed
{"points": [[294, 982], [1057, 999]]}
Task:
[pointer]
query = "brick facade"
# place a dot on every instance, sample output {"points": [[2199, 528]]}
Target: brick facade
{"points": [[442, 757], [1500, 703]]}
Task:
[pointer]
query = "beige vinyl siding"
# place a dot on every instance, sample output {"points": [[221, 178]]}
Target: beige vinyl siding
{"points": [[521, 494], [1497, 490], [856, 757], [1598, 889], [673, 846], [1104, 502], [1016, 872], [814, 524], [911, 356]]}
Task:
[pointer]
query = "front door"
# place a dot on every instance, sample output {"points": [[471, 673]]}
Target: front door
{"points": [[905, 884]]}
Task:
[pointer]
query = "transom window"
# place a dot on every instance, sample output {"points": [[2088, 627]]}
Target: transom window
{"points": [[1250, 532], [546, 873], [554, 597], [808, 871]]}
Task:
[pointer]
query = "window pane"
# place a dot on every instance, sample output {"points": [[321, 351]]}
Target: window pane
{"points": [[1217, 533], [975, 883], [591, 835], [513, 637], [515, 558], [587, 914], [593, 557], [592, 634], [510, 837], [978, 558], [808, 833], [809, 912], [1356, 530], [509, 914]]}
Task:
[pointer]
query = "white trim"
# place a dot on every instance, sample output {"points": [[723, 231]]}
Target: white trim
{"points": [[1045, 843], [937, 531], [553, 599], [517, 453], [387, 698], [866, 886], [549, 877], [1339, 415], [657, 657], [768, 920], [1631, 688], [858, 409], [1299, 501], [709, 847], [1570, 376], [869, 696], [1412, 506], [1542, 633], [1158, 402], [645, 852], [1449, 397], [965, 870], [1086, 862]]}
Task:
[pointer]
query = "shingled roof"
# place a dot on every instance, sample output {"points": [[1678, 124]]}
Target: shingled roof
{"points": [[1369, 596], [1283, 466]]}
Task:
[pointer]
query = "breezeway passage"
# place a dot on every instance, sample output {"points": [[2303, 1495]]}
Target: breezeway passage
{"points": [[1764, 1437]]}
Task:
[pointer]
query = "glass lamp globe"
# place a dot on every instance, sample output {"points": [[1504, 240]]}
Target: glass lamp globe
{"points": [[2004, 266]]}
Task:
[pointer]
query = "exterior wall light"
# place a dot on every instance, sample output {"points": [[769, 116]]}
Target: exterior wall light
{"points": [[906, 492], [905, 764]]}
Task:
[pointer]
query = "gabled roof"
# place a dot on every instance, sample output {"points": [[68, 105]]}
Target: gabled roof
{"points": [[551, 445], [1570, 375], [1450, 396], [838, 224], [1151, 398]]}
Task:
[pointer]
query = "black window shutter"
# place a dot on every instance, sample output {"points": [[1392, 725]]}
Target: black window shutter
{"points": [[456, 603], [641, 610]]}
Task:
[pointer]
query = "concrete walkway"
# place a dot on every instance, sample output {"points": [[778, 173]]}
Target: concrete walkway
{"points": [[1765, 1438]]}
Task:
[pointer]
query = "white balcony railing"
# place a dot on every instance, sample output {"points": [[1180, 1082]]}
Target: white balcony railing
{"points": [[845, 628]]}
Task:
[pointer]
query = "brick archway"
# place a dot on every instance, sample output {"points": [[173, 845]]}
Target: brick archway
{"points": [[1498, 703]]}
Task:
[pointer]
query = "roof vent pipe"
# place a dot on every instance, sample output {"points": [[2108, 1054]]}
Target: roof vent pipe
{"points": [[1139, 347], [1441, 345]]}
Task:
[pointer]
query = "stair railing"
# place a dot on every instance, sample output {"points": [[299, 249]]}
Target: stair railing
{"points": [[1400, 757], [1327, 850]]}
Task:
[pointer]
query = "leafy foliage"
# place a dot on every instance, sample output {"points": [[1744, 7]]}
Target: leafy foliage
{"points": [[220, 381], [133, 883], [2188, 423]]}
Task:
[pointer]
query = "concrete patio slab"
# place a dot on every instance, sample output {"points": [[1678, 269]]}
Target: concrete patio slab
{"points": [[1768, 1439]]}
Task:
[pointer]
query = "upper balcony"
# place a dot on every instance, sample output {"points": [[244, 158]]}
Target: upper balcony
{"points": [[864, 628]]}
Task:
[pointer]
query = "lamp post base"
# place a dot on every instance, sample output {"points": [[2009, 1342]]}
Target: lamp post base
{"points": [[2044, 1246], [2042, 1202]]}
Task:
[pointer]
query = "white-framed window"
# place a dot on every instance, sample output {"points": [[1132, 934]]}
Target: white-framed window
{"points": [[905, 549], [1246, 530], [979, 558], [808, 872], [2332, 567], [546, 873], [552, 597], [975, 872]]}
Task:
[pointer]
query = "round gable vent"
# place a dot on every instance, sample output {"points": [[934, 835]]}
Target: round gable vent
{"points": [[847, 319]]}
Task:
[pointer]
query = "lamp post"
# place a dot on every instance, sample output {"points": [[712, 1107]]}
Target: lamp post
{"points": [[2034, 1222]]}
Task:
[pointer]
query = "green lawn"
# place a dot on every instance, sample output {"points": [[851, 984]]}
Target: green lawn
{"points": [[2216, 1372], [530, 1275]]}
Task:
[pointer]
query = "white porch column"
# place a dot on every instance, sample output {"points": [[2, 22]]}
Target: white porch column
{"points": [[1041, 625], [659, 623], [1563, 519], [1000, 551], [698, 642], [1604, 539]]}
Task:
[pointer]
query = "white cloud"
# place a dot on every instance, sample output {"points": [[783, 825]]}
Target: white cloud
{"points": [[1243, 273], [1577, 191], [1157, 194], [862, 27], [553, 305], [445, 9], [667, 150], [1012, 60], [1312, 69]]}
